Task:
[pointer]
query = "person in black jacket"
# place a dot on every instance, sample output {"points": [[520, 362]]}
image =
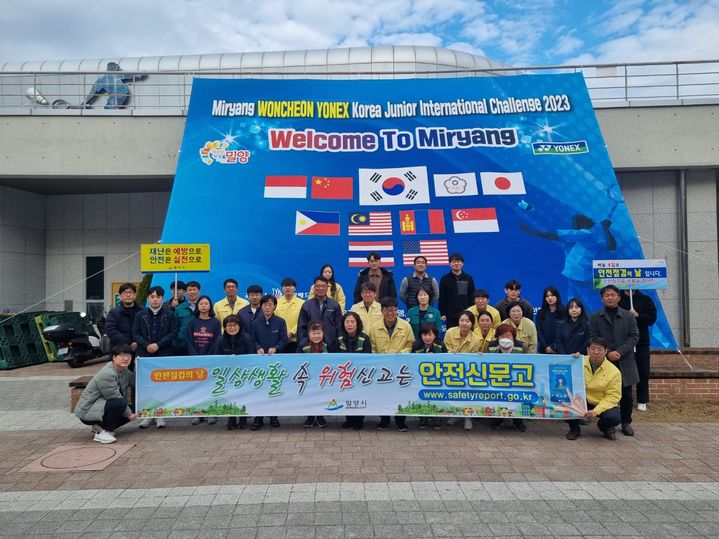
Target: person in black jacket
{"points": [[645, 313], [548, 316], [154, 330], [351, 339], [322, 308], [618, 327], [456, 291], [382, 278], [234, 342], [512, 288], [121, 319], [573, 331]]}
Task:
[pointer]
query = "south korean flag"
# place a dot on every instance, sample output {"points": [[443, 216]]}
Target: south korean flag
{"points": [[393, 186]]}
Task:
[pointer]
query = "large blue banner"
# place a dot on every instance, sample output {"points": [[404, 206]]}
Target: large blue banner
{"points": [[283, 176], [471, 385]]}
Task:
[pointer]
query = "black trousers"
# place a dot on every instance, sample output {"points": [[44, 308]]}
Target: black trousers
{"points": [[642, 356], [113, 417], [626, 404], [607, 419], [398, 420]]}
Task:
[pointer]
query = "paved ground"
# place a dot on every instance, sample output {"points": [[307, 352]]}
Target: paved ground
{"points": [[188, 481]]}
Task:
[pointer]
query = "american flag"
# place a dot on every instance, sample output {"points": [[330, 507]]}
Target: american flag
{"points": [[374, 223], [435, 251]]}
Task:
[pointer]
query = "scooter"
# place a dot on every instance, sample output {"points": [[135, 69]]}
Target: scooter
{"points": [[76, 345]]}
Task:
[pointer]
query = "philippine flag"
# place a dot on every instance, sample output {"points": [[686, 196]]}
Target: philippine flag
{"points": [[475, 220], [392, 186], [359, 250], [502, 183], [317, 223], [285, 186]]}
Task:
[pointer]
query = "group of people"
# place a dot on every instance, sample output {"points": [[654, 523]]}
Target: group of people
{"points": [[449, 315]]}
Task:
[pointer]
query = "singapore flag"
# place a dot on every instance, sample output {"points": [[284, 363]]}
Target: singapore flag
{"points": [[502, 183]]}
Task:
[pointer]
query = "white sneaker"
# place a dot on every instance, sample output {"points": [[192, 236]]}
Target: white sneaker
{"points": [[147, 422], [452, 421], [161, 423], [105, 437], [642, 406], [468, 423], [198, 420], [211, 420]]}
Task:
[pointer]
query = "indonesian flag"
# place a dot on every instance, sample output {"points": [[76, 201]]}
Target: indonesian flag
{"points": [[502, 183], [475, 220], [285, 186]]}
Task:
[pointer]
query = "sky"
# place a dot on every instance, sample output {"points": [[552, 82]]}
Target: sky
{"points": [[519, 33]]}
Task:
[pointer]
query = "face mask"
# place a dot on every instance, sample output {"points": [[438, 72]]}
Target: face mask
{"points": [[506, 343]]}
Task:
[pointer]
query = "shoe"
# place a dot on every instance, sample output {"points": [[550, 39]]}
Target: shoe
{"points": [[257, 424], [212, 421], [322, 422], [573, 433], [382, 426], [402, 427], [309, 422], [231, 423], [147, 422], [496, 423], [161, 423], [274, 422], [452, 421], [104, 437], [519, 425], [436, 423], [468, 423], [242, 423], [610, 434], [627, 429], [95, 429], [198, 420], [642, 406], [423, 423]]}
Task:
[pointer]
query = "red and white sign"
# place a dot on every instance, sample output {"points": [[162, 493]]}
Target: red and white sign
{"points": [[502, 183], [475, 220]]}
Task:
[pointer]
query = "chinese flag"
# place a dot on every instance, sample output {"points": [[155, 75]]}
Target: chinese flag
{"points": [[331, 187]]}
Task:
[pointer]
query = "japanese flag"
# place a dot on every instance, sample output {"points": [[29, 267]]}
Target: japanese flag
{"points": [[502, 183]]}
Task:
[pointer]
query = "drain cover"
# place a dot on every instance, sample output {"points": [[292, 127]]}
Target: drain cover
{"points": [[70, 458]]}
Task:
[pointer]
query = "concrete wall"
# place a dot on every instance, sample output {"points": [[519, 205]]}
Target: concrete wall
{"points": [[22, 249], [111, 225], [653, 201]]}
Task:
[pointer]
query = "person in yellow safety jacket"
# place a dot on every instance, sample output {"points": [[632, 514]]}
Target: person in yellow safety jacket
{"points": [[603, 382], [526, 330], [231, 304], [288, 308], [461, 338], [335, 290], [391, 335], [484, 331], [481, 303], [369, 310]]}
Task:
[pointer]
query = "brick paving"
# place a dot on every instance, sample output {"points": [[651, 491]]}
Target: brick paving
{"points": [[194, 481]]}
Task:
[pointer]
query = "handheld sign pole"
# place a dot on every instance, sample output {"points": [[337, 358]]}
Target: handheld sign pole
{"points": [[175, 298]]}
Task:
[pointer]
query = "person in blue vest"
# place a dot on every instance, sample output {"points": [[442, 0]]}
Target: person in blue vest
{"points": [[419, 278], [269, 333]]}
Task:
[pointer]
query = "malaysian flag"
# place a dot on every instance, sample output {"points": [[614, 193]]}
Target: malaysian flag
{"points": [[435, 251], [374, 223]]}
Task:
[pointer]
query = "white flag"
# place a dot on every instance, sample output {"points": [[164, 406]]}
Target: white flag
{"points": [[392, 186], [461, 184], [502, 183]]}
